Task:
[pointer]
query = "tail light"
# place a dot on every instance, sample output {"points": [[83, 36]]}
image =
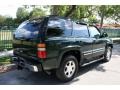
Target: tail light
{"points": [[41, 51]]}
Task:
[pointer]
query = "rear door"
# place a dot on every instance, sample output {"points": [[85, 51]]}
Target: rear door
{"points": [[54, 36], [81, 35], [98, 43]]}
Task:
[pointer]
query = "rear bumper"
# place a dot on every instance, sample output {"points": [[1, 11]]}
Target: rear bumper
{"points": [[33, 61], [22, 63]]}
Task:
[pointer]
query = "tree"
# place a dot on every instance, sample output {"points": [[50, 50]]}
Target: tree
{"points": [[105, 12], [9, 21], [92, 20], [59, 10], [22, 14], [36, 12], [116, 14], [81, 12], [72, 11], [2, 19]]}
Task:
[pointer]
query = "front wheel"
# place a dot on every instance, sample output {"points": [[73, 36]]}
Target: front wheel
{"points": [[108, 54], [68, 68]]}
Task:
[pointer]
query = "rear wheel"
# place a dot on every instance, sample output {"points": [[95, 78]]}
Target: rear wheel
{"points": [[68, 68], [108, 53]]}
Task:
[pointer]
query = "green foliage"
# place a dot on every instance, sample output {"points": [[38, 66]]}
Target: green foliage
{"points": [[59, 10], [104, 11], [82, 12], [6, 21], [22, 14], [36, 12], [116, 12], [5, 60], [92, 20], [9, 21], [2, 19]]}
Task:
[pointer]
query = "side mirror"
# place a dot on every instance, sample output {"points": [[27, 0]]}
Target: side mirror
{"points": [[104, 34]]}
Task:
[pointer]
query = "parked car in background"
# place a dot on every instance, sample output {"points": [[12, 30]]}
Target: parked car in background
{"points": [[59, 45]]}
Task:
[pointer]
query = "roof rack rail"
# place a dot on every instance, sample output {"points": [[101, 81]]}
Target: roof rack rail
{"points": [[82, 23]]}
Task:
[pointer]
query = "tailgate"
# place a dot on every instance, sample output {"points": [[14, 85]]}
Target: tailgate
{"points": [[26, 48]]}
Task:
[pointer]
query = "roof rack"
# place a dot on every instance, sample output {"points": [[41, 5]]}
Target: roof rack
{"points": [[82, 23]]}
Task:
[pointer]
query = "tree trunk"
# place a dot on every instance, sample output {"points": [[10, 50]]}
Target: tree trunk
{"points": [[101, 21], [70, 11]]}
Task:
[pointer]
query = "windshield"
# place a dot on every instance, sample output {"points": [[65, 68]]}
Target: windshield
{"points": [[27, 30]]}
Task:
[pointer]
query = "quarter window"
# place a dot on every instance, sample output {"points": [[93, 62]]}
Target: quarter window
{"points": [[55, 28], [80, 30], [59, 27]]}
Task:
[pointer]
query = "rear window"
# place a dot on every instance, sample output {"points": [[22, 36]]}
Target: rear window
{"points": [[27, 30]]}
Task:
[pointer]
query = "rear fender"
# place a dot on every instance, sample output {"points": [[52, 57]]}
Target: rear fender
{"points": [[65, 50]]}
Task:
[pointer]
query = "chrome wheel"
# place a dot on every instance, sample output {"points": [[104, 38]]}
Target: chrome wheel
{"points": [[69, 69]]}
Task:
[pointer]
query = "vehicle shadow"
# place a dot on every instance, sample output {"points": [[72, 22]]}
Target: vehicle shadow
{"points": [[44, 79], [26, 77]]}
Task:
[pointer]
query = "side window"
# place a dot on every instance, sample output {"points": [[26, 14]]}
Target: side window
{"points": [[80, 30], [59, 27], [93, 31], [68, 28], [55, 28]]}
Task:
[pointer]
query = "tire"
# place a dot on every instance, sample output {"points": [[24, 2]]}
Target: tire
{"points": [[108, 54], [68, 68]]}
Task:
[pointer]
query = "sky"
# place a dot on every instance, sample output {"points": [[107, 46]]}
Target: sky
{"points": [[9, 10], [9, 7]]}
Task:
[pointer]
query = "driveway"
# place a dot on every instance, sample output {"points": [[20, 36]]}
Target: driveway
{"points": [[96, 73]]}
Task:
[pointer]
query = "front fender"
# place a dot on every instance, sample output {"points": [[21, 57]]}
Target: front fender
{"points": [[110, 42]]}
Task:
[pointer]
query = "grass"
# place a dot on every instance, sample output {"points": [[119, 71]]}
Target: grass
{"points": [[6, 38], [4, 60], [5, 44]]}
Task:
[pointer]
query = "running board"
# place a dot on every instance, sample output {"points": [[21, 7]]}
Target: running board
{"points": [[92, 62]]}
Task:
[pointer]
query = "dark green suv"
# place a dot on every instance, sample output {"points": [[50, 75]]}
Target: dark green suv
{"points": [[59, 45]]}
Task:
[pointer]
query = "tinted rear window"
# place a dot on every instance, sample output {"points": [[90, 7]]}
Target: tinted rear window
{"points": [[27, 30]]}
